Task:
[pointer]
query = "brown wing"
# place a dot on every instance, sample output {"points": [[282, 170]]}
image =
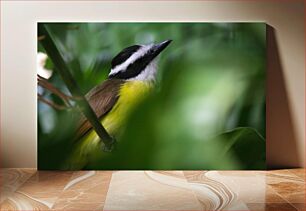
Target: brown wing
{"points": [[101, 98]]}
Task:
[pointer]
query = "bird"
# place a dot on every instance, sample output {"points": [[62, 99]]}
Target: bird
{"points": [[131, 78]]}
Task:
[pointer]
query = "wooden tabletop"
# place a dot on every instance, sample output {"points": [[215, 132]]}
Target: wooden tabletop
{"points": [[29, 189]]}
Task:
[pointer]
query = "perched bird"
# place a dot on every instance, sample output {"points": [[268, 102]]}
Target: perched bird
{"points": [[132, 76]]}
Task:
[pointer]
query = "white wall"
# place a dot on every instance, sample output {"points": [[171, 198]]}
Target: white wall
{"points": [[18, 62]]}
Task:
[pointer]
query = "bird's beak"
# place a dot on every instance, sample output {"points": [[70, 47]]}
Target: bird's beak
{"points": [[158, 48]]}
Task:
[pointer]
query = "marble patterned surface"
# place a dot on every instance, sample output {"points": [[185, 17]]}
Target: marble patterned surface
{"points": [[28, 189]]}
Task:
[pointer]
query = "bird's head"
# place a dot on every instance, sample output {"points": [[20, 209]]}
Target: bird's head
{"points": [[137, 62]]}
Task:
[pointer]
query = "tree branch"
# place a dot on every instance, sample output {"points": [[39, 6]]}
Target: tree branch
{"points": [[47, 85], [71, 84], [50, 103]]}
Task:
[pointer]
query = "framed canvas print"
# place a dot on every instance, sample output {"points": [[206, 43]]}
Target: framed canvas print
{"points": [[159, 96]]}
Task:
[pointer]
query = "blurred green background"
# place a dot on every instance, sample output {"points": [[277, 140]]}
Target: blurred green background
{"points": [[208, 109]]}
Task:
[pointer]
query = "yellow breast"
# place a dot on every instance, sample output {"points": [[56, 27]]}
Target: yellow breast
{"points": [[130, 95]]}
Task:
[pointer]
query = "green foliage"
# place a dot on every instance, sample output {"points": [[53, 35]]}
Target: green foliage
{"points": [[246, 146], [241, 148], [211, 80]]}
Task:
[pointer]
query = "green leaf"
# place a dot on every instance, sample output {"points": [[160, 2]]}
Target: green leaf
{"points": [[246, 146], [238, 149]]}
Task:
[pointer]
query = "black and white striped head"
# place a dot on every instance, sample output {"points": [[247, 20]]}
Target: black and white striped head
{"points": [[137, 62]]}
